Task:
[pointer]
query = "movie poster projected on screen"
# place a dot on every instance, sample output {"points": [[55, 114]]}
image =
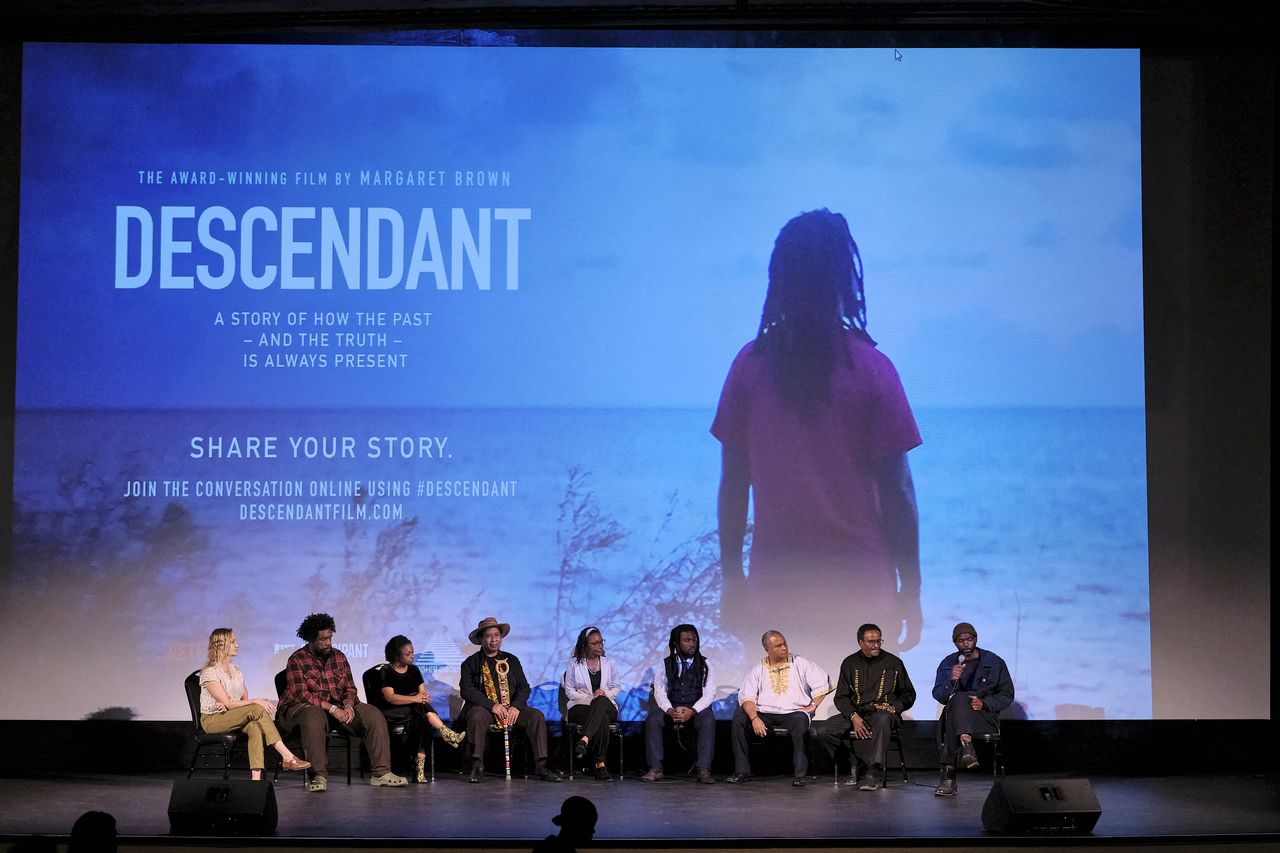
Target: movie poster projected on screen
{"points": [[417, 335]]}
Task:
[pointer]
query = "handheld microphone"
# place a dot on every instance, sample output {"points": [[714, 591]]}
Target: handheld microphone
{"points": [[955, 682]]}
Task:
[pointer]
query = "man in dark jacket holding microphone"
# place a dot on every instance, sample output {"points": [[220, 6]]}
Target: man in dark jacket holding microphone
{"points": [[974, 687]]}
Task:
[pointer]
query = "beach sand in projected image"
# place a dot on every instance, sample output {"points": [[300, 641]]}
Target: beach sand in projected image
{"points": [[1033, 526]]}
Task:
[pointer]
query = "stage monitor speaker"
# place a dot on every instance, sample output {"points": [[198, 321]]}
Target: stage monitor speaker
{"points": [[1027, 806], [239, 807]]}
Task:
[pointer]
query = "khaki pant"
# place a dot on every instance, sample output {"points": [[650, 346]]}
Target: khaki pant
{"points": [[254, 721]]}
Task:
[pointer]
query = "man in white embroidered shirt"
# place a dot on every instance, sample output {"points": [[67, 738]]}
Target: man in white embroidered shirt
{"points": [[783, 690]]}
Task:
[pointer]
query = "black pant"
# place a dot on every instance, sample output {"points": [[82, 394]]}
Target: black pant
{"points": [[959, 718], [796, 723], [595, 719], [834, 730], [480, 720]]}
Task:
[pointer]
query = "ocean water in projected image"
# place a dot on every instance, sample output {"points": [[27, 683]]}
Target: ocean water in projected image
{"points": [[1033, 526]]}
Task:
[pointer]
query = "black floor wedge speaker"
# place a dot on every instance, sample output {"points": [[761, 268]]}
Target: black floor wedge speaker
{"points": [[239, 807], [1030, 806]]}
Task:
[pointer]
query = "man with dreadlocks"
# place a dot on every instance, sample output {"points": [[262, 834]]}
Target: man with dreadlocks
{"points": [[815, 427], [682, 694]]}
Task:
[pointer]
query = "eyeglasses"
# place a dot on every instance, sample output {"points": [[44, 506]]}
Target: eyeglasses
{"points": [[872, 642]]}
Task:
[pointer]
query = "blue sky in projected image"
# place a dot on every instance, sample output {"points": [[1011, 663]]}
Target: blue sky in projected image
{"points": [[995, 196]]}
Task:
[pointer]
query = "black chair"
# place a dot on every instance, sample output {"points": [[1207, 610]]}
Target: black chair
{"points": [[992, 739], [397, 725], [573, 731], [673, 732], [224, 742], [785, 733], [895, 742], [522, 746], [677, 734], [330, 735]]}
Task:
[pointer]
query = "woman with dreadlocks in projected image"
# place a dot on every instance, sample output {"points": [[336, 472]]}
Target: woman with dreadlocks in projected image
{"points": [[814, 427]]}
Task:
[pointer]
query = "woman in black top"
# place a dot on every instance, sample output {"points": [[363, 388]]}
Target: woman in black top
{"points": [[404, 697]]}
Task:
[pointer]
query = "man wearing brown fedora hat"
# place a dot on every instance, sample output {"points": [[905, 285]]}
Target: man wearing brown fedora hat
{"points": [[489, 677]]}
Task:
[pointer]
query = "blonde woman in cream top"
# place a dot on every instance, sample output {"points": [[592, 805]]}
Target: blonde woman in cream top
{"points": [[225, 706]]}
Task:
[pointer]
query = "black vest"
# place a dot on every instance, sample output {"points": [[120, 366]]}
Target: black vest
{"points": [[683, 691]]}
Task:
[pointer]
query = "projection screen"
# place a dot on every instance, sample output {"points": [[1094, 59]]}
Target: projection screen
{"points": [[418, 335]]}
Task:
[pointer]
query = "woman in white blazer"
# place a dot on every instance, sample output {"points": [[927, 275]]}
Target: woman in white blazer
{"points": [[591, 683]]}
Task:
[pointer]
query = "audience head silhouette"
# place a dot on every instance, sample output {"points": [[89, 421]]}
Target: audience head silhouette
{"points": [[577, 820], [93, 832]]}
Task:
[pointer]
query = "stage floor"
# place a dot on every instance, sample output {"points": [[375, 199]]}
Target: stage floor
{"points": [[1195, 809]]}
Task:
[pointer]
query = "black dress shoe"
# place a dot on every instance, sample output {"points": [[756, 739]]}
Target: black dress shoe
{"points": [[580, 749], [967, 756], [704, 777], [477, 771], [798, 782], [738, 778], [872, 780], [546, 773], [602, 774]]}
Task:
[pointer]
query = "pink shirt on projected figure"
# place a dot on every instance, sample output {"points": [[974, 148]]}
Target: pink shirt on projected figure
{"points": [[818, 523]]}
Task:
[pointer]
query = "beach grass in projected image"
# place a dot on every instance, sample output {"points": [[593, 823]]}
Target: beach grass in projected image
{"points": [[994, 196]]}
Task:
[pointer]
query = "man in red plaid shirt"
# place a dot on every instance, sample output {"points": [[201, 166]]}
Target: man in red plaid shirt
{"points": [[319, 686]]}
